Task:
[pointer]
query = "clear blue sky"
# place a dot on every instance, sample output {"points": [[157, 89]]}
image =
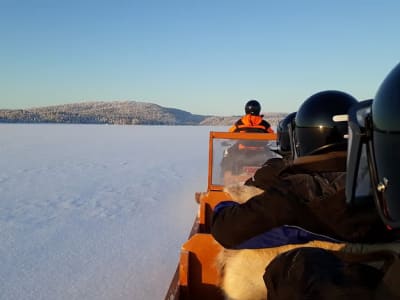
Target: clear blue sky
{"points": [[206, 57]]}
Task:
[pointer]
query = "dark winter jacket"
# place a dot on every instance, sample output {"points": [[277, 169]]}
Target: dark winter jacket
{"points": [[305, 197], [314, 273]]}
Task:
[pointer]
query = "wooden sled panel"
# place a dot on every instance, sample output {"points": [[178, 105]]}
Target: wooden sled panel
{"points": [[198, 275]]}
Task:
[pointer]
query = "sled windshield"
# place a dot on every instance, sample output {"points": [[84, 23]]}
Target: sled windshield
{"points": [[234, 157]]}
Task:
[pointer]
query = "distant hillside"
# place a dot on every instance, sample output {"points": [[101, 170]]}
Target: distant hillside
{"points": [[126, 112], [272, 118]]}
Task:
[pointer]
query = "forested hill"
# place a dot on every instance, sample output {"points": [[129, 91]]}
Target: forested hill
{"points": [[126, 112]]}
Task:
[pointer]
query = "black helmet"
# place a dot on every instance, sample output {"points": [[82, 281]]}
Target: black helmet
{"points": [[252, 107], [384, 148], [282, 131], [315, 131]]}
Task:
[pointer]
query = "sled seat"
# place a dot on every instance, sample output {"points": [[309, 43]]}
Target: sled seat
{"points": [[198, 275]]}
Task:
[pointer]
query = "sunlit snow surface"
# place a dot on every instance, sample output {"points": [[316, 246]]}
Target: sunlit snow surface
{"points": [[96, 211]]}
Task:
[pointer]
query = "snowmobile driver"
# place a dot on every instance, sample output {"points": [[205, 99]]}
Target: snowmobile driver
{"points": [[247, 154], [252, 121]]}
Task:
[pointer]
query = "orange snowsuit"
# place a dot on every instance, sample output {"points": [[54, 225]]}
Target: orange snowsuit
{"points": [[251, 123]]}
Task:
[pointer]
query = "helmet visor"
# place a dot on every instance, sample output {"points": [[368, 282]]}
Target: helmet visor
{"points": [[363, 187], [358, 180], [292, 140], [386, 147]]}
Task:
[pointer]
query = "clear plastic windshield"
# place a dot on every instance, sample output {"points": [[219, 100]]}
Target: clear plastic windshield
{"points": [[236, 160]]}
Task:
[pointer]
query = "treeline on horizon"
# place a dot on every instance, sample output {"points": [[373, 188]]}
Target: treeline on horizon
{"points": [[119, 113]]}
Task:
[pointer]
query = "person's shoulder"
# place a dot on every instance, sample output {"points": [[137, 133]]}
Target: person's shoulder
{"points": [[334, 161], [265, 123], [235, 125], [240, 120]]}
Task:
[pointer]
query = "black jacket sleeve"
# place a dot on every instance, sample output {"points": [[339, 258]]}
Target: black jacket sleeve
{"points": [[235, 224], [267, 175]]}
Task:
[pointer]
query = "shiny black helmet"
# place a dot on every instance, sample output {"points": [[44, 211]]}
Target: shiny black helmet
{"points": [[252, 107], [383, 132], [315, 131], [282, 131]]}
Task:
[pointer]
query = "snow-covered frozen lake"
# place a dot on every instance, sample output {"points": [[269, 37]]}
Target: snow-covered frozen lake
{"points": [[94, 211]]}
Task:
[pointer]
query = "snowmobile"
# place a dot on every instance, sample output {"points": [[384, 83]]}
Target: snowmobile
{"points": [[197, 276]]}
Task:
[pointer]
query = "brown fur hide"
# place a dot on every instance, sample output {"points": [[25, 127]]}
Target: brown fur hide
{"points": [[241, 193], [242, 270]]}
